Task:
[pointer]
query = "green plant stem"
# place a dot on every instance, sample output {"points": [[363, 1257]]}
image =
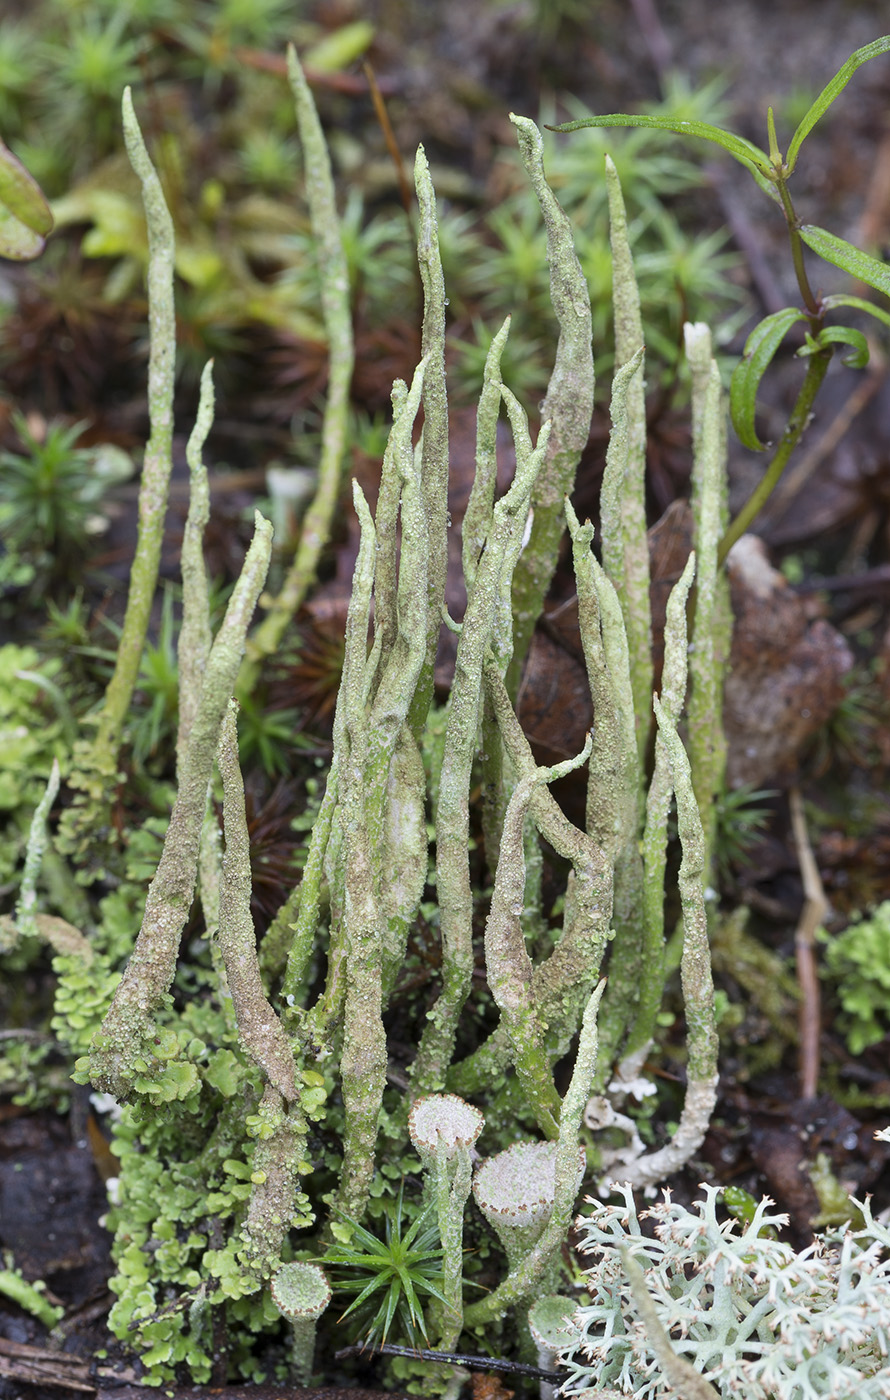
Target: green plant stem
{"points": [[817, 367], [316, 527], [797, 255]]}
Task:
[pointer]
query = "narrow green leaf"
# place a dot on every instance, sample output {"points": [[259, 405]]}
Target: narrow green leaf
{"points": [[830, 92], [743, 150], [25, 217], [857, 358], [847, 257], [17, 241], [760, 347], [858, 304], [22, 195]]}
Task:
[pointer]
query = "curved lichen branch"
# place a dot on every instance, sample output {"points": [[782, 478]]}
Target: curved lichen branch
{"points": [[521, 1281], [562, 982], [623, 495], [434, 444], [259, 1030], [195, 634], [508, 965], [127, 1029], [61, 936], [695, 974], [655, 832]]}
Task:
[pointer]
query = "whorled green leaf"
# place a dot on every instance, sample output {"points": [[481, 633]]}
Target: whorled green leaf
{"points": [[830, 92], [847, 257], [25, 216], [760, 347], [830, 303], [743, 150], [856, 357]]}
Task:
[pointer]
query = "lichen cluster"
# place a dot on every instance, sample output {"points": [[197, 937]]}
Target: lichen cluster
{"points": [[257, 1118]]}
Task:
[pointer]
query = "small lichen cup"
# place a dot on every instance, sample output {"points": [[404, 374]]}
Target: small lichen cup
{"points": [[515, 1191], [301, 1293], [444, 1129], [549, 1321]]}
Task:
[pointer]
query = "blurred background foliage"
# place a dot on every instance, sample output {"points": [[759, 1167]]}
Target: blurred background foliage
{"points": [[209, 83]]}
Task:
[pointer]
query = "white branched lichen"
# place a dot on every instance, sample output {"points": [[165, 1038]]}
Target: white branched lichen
{"points": [[753, 1317]]}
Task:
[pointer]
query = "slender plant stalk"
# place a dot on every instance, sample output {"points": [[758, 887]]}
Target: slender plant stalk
{"points": [[509, 967], [260, 1032], [817, 368], [561, 983], [712, 626], [658, 802], [195, 635], [614, 794], [363, 1057], [316, 527]]}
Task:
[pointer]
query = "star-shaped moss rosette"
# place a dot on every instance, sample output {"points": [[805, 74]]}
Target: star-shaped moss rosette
{"points": [[393, 1273], [301, 1293], [444, 1129]]}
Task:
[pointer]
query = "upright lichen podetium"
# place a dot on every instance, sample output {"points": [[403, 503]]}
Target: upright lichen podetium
{"points": [[623, 496], [341, 357], [568, 405], [126, 1032], [96, 762]]}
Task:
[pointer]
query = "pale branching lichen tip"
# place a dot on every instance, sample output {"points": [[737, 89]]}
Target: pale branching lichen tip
{"points": [[444, 1118]]}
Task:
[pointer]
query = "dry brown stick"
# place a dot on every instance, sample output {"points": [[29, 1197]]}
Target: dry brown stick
{"points": [[389, 136], [811, 915]]}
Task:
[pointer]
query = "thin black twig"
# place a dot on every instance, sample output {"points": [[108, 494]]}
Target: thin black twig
{"points": [[455, 1358]]}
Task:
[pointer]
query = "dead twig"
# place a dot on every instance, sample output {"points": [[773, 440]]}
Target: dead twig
{"points": [[811, 915]]}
